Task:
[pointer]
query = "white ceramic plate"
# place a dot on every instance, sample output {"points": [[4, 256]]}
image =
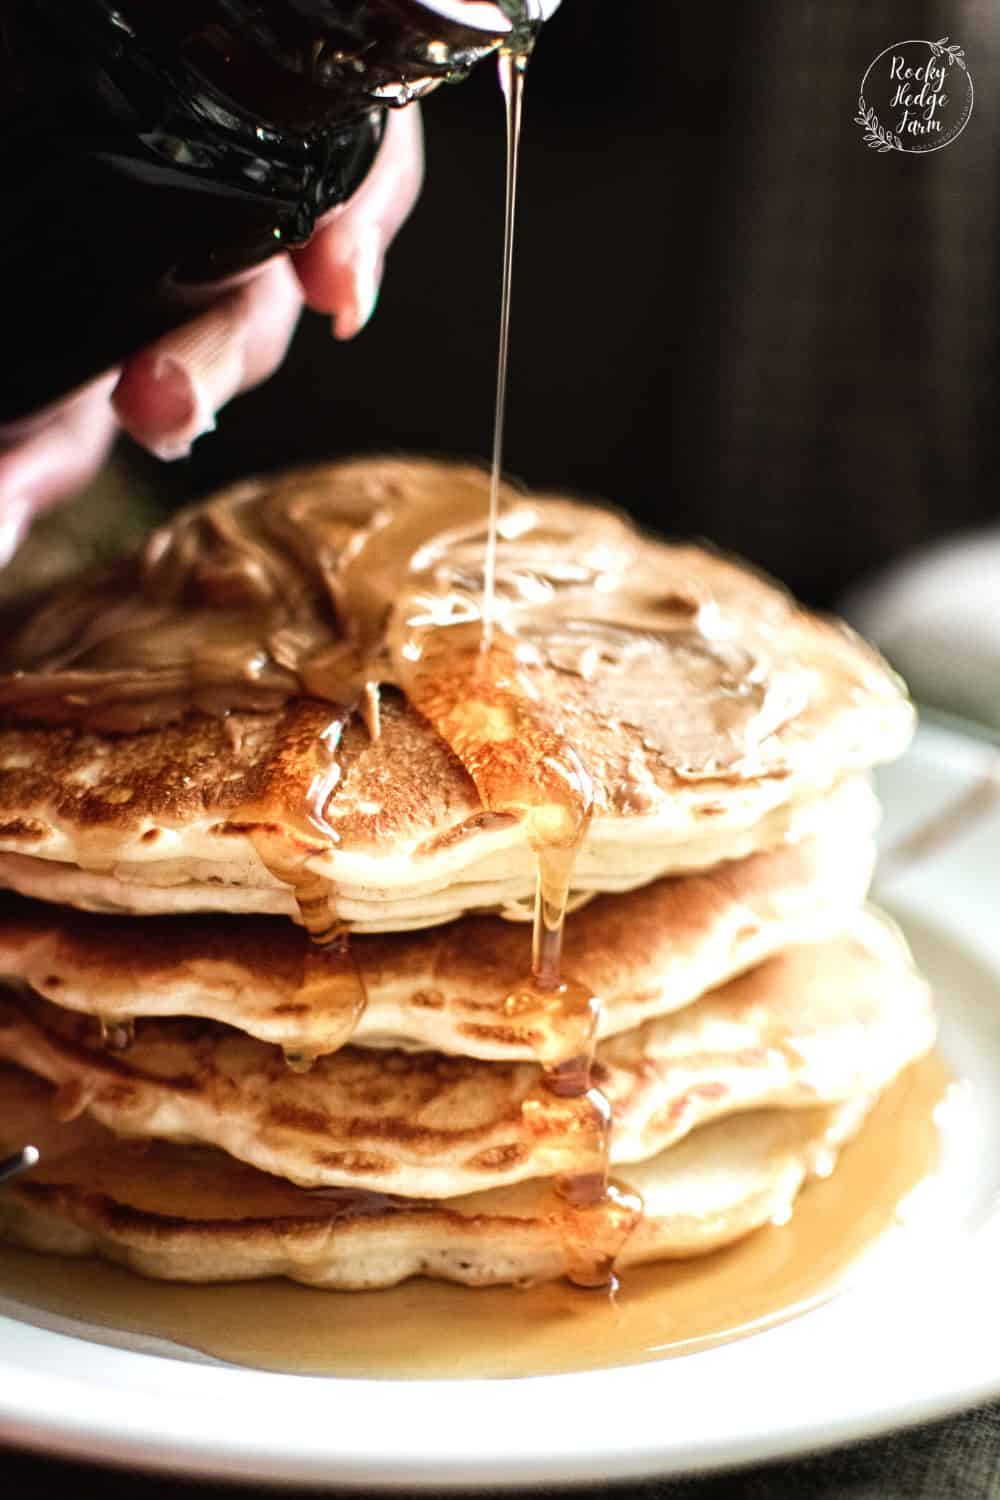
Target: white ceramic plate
{"points": [[900, 1348]]}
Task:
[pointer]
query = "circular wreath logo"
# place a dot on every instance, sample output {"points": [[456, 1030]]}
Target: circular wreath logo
{"points": [[915, 96]]}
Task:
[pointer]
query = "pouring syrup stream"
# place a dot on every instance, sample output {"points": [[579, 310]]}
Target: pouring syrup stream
{"points": [[512, 65], [596, 1215]]}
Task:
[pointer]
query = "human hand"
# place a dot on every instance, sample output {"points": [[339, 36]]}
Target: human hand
{"points": [[167, 395]]}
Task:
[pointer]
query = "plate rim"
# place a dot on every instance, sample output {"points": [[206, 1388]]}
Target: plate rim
{"points": [[164, 1416]]}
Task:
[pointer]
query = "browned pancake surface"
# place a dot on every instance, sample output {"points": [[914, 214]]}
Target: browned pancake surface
{"points": [[406, 781], [644, 953], [695, 699], [817, 1024], [193, 1214]]}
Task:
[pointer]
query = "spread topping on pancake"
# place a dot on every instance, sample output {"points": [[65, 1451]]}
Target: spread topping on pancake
{"points": [[326, 583], [269, 591], [317, 583]]}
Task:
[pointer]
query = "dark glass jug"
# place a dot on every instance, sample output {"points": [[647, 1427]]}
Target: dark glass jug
{"points": [[151, 150]]}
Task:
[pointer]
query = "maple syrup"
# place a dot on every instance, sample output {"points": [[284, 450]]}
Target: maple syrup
{"points": [[549, 788], [284, 847], [512, 65], [866, 1211]]}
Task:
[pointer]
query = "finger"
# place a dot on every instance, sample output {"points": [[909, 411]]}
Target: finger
{"points": [[55, 461], [341, 267], [169, 394]]}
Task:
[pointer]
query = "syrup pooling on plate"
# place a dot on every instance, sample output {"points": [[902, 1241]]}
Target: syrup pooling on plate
{"points": [[447, 1332]]}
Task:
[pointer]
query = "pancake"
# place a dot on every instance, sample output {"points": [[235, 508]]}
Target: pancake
{"points": [[193, 1214], [501, 881], [817, 1024], [202, 728], [645, 954]]}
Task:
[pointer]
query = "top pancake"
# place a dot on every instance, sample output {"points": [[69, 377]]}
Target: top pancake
{"points": [[164, 747]]}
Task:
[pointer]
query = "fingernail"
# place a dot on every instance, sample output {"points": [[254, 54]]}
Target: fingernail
{"points": [[186, 410], [15, 518], [365, 279], [199, 370]]}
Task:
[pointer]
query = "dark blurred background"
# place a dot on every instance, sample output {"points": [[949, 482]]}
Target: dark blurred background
{"points": [[729, 316]]}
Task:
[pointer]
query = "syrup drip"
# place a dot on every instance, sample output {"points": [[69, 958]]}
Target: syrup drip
{"points": [[482, 705], [596, 1216], [117, 1032], [285, 847], [487, 708], [468, 679], [331, 990], [286, 843]]}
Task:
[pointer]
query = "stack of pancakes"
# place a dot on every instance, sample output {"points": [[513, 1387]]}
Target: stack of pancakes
{"points": [[272, 823]]}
